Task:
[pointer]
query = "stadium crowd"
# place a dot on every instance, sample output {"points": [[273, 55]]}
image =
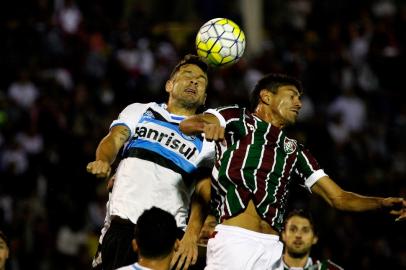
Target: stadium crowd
{"points": [[68, 67]]}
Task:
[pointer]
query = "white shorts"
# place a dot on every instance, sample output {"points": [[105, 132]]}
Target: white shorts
{"points": [[234, 248]]}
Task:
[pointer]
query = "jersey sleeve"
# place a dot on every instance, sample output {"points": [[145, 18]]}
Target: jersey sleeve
{"points": [[130, 116], [308, 168], [225, 114], [207, 155]]}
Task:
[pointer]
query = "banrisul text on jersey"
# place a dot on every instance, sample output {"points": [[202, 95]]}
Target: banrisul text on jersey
{"points": [[165, 139]]}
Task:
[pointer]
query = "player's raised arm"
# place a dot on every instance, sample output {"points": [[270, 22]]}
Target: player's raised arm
{"points": [[107, 151], [203, 123], [350, 201], [187, 253]]}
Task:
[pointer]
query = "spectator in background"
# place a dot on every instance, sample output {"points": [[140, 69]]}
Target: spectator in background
{"points": [[4, 250], [23, 92], [299, 235], [69, 17], [155, 240], [352, 110]]}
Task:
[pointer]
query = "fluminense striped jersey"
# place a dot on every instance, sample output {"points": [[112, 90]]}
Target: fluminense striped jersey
{"points": [[257, 164], [319, 265], [158, 164], [309, 263]]}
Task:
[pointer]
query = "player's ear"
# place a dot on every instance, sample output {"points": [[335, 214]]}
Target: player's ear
{"points": [[169, 85], [315, 239], [265, 96], [283, 235], [134, 245], [176, 246]]}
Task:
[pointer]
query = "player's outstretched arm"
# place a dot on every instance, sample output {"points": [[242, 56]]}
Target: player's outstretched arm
{"points": [[203, 123], [350, 201], [187, 252], [107, 151]]}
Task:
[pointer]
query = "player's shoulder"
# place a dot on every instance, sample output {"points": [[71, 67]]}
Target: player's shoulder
{"points": [[229, 107], [137, 107], [142, 105], [229, 111]]}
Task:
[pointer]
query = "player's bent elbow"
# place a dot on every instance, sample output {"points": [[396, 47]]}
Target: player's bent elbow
{"points": [[347, 201], [339, 203]]}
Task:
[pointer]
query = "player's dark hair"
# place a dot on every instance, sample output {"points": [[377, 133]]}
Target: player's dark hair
{"points": [[303, 214], [272, 82], [191, 59], [155, 233]]}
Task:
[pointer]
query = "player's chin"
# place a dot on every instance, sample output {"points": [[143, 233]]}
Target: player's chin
{"points": [[193, 101], [290, 121]]}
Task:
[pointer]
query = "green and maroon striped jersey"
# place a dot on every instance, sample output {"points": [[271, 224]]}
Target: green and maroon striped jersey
{"points": [[257, 164], [319, 265]]}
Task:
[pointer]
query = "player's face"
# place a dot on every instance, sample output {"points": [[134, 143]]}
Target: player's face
{"points": [[3, 253], [298, 237], [188, 86], [286, 104]]}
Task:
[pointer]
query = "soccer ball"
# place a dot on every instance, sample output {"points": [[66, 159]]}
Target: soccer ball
{"points": [[220, 41]]}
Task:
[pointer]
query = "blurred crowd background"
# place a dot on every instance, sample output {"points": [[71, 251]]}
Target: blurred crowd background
{"points": [[69, 67]]}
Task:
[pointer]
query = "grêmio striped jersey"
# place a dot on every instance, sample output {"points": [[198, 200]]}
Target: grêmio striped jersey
{"points": [[257, 164], [159, 164]]}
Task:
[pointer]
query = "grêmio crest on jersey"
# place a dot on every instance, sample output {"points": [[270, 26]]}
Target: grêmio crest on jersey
{"points": [[149, 113], [289, 145]]}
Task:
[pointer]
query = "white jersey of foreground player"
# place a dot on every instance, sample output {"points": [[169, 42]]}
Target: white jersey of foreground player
{"points": [[157, 165]]}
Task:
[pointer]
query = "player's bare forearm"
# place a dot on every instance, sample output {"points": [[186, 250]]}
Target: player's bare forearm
{"points": [[193, 125], [187, 252], [111, 144], [199, 206], [340, 199], [350, 201], [107, 151], [203, 123], [395, 206]]}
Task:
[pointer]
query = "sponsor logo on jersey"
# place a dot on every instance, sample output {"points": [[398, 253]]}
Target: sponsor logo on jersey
{"points": [[166, 139], [289, 145], [149, 113], [187, 137]]}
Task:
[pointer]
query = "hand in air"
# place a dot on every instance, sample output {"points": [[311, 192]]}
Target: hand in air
{"points": [[99, 168], [186, 253], [397, 207], [213, 132]]}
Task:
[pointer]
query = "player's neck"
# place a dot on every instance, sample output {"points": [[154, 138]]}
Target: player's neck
{"points": [[156, 264], [266, 115], [295, 262], [180, 110]]}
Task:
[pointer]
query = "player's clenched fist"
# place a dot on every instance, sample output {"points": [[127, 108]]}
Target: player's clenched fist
{"points": [[213, 132], [99, 168]]}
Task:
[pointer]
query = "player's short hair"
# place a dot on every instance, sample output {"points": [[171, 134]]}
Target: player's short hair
{"points": [[303, 214], [4, 237], [272, 82], [155, 233], [191, 59]]}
